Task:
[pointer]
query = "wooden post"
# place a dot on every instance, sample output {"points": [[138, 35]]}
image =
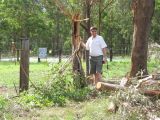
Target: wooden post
{"points": [[24, 65], [60, 54], [39, 59], [18, 54], [0, 55], [87, 62], [111, 54]]}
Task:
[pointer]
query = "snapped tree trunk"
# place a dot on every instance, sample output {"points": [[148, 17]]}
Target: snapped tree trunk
{"points": [[142, 15], [75, 41], [79, 78]]}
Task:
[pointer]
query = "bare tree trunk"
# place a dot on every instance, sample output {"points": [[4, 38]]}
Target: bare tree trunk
{"points": [[75, 41], [88, 14], [79, 78], [100, 17], [142, 15]]}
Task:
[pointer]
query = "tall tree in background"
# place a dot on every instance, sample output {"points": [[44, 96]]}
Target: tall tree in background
{"points": [[142, 16]]}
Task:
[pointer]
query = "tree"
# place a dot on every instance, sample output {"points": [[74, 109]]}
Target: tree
{"points": [[155, 33], [142, 16]]}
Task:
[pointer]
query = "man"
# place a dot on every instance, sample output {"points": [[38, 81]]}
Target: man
{"points": [[97, 51]]}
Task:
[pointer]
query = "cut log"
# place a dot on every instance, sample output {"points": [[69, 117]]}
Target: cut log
{"points": [[152, 93], [108, 86]]}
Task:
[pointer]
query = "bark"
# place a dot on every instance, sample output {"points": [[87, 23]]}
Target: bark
{"points": [[76, 44], [75, 41], [108, 86], [88, 14], [152, 93], [99, 17], [142, 15], [24, 66]]}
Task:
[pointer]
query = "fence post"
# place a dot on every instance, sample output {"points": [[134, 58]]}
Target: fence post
{"points": [[0, 55], [18, 54], [87, 62], [24, 65], [111, 54]]}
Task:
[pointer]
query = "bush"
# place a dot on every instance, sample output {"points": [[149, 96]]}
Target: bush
{"points": [[55, 91], [3, 103]]}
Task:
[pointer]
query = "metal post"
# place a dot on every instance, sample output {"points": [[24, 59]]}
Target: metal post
{"points": [[24, 65]]}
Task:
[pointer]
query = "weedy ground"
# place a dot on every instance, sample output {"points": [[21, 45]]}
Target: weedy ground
{"points": [[93, 107]]}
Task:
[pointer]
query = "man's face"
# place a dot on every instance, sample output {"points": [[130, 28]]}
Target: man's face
{"points": [[94, 32]]}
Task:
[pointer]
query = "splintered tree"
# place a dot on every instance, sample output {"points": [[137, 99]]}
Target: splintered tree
{"points": [[142, 16], [79, 76]]}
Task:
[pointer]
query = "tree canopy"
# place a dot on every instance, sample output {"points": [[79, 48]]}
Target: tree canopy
{"points": [[39, 20]]}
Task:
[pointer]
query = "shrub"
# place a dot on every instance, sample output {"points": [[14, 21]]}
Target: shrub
{"points": [[55, 91]]}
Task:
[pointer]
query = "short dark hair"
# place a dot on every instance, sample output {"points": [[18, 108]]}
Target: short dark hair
{"points": [[93, 28]]}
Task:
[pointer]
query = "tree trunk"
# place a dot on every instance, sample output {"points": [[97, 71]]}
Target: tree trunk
{"points": [[99, 17], [75, 41], [142, 15], [88, 14], [79, 78]]}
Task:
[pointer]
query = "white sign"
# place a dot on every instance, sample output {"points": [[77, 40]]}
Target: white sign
{"points": [[42, 53]]}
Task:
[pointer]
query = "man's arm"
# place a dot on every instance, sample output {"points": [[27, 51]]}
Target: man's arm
{"points": [[83, 44]]}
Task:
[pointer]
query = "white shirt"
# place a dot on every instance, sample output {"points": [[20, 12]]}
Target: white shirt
{"points": [[95, 45]]}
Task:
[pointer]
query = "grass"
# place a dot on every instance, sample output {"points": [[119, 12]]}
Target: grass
{"points": [[93, 109], [39, 72], [9, 73]]}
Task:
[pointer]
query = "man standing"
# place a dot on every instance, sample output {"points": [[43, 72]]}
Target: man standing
{"points": [[97, 51]]}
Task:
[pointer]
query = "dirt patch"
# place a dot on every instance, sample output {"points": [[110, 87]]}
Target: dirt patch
{"points": [[7, 91]]}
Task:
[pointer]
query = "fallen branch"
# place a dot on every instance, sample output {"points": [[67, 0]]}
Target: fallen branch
{"points": [[147, 81], [151, 93]]}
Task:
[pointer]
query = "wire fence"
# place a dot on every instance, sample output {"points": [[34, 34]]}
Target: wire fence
{"points": [[56, 55]]}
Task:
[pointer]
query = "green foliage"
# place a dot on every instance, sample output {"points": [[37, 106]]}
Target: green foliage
{"points": [[56, 91], [46, 25], [3, 103], [5, 112], [33, 100], [79, 94], [156, 23]]}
